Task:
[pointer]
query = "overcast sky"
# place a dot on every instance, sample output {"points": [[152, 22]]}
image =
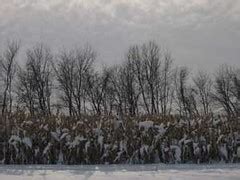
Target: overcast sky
{"points": [[201, 34]]}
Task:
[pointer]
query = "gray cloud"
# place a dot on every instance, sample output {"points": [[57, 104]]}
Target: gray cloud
{"points": [[200, 33]]}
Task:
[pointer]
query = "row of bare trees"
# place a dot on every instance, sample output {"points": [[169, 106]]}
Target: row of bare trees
{"points": [[147, 82]]}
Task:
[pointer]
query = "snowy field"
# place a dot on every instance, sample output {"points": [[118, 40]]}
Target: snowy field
{"points": [[121, 172]]}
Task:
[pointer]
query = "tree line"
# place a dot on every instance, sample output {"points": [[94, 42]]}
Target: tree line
{"points": [[146, 82]]}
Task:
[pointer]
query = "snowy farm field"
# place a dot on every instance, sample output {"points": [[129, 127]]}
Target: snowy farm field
{"points": [[126, 172]]}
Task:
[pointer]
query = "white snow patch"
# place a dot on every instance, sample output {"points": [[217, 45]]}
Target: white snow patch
{"points": [[177, 152], [145, 124], [27, 141], [127, 172], [55, 135], [238, 152], [46, 149]]}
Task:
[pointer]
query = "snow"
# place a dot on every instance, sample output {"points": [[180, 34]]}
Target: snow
{"points": [[27, 141], [219, 139], [238, 152], [161, 129], [63, 136], [126, 172], [177, 153], [45, 127], [100, 141], [46, 149], [223, 151], [14, 139], [28, 122], [55, 135], [76, 141], [146, 124]]}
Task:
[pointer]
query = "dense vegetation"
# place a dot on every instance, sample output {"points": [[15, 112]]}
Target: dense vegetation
{"points": [[60, 108]]}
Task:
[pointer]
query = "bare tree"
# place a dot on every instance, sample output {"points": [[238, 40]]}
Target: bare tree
{"points": [[109, 91], [97, 85], [116, 89], [203, 90], [227, 89], [134, 54], [65, 71], [130, 88], [153, 75], [72, 72], [151, 57], [166, 89], [8, 70], [84, 62], [35, 81], [182, 90], [236, 81]]}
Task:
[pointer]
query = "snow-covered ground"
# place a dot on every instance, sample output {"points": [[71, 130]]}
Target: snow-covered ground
{"points": [[125, 172]]}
